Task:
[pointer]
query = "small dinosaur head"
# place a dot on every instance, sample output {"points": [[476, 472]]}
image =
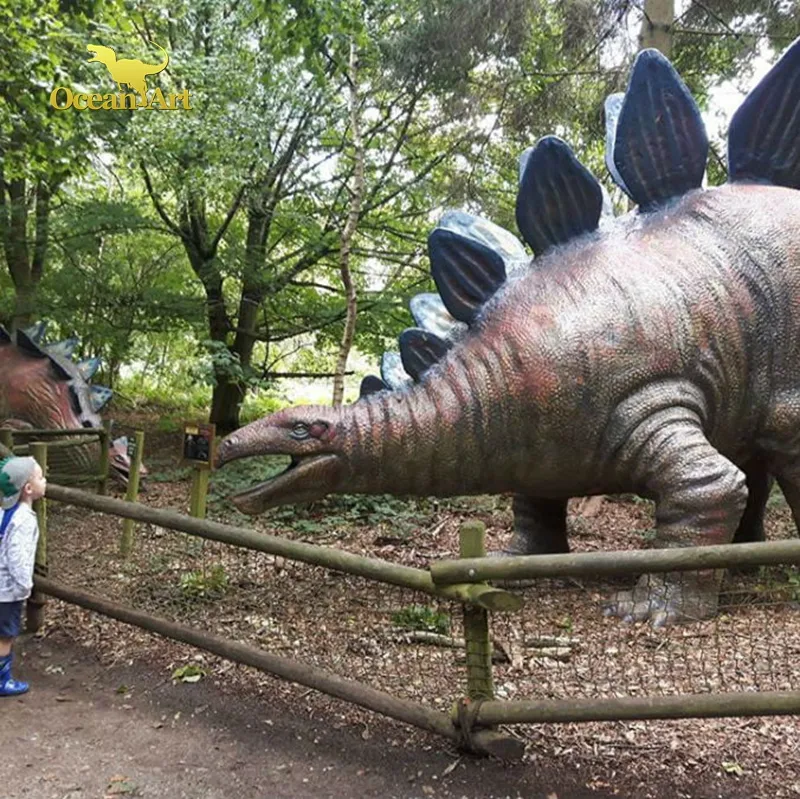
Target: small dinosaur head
{"points": [[104, 55], [311, 435]]}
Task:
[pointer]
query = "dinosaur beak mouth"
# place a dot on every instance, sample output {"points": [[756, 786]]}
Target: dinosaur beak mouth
{"points": [[306, 478]]}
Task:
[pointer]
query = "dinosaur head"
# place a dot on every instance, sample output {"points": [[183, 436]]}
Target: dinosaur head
{"points": [[105, 55], [41, 387], [312, 436]]}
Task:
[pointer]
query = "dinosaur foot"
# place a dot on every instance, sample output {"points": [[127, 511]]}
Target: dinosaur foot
{"points": [[664, 599]]}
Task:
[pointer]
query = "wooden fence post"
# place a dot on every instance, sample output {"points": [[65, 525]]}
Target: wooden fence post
{"points": [[478, 738], [132, 494], [197, 504], [476, 621], [105, 443], [36, 601]]}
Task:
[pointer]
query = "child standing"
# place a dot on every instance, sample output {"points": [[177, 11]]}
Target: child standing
{"points": [[21, 482]]}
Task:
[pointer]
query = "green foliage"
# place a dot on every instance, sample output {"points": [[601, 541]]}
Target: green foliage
{"points": [[261, 404], [422, 617], [779, 583], [170, 475], [405, 515], [650, 535], [243, 474], [189, 673], [309, 527], [205, 583], [42, 46], [776, 498], [223, 365], [567, 624], [793, 582]]}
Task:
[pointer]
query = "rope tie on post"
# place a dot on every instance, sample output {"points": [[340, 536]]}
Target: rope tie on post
{"points": [[466, 715]]}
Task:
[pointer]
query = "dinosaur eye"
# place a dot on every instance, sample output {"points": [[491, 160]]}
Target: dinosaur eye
{"points": [[300, 431]]}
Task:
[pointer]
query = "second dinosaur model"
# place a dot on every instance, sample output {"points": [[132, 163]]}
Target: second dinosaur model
{"points": [[41, 387]]}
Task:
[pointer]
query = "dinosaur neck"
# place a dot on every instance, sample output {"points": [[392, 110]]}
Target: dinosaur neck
{"points": [[448, 435]]}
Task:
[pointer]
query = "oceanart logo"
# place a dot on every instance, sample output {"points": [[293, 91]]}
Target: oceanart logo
{"points": [[129, 71]]}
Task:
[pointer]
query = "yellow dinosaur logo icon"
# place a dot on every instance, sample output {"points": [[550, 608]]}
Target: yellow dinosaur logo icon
{"points": [[128, 71]]}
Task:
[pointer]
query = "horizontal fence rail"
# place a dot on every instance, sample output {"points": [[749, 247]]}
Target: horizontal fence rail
{"points": [[414, 713], [406, 710], [635, 708], [58, 433], [372, 568], [25, 449], [595, 564]]}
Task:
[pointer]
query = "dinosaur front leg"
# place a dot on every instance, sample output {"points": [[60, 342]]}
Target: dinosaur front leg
{"points": [[700, 496], [540, 526]]}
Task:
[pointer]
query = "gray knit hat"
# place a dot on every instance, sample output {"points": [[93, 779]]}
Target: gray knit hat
{"points": [[14, 473]]}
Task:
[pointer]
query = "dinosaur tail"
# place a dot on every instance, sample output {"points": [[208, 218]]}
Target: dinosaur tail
{"points": [[764, 134], [154, 69]]}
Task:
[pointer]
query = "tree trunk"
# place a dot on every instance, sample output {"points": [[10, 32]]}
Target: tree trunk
{"points": [[656, 30], [229, 395], [356, 197], [24, 306], [226, 403], [25, 267]]}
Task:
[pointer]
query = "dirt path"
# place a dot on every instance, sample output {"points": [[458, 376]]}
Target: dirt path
{"points": [[89, 731], [86, 731]]}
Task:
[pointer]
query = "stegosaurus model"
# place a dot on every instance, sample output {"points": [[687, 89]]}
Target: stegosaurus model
{"points": [[41, 387], [655, 353]]}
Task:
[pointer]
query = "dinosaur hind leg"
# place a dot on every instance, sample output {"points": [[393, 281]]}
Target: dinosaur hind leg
{"points": [[140, 87], [759, 486], [789, 481], [540, 526]]}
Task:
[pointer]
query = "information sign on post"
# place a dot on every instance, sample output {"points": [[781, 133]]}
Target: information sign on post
{"points": [[199, 448], [199, 452]]}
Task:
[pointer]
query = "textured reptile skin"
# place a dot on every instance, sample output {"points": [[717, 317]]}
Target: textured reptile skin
{"points": [[46, 390]]}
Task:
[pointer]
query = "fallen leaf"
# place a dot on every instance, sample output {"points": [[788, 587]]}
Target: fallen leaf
{"points": [[732, 767], [121, 786], [451, 768]]}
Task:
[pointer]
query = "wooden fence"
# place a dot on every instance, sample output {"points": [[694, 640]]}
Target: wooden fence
{"points": [[20, 442], [473, 720], [478, 599]]}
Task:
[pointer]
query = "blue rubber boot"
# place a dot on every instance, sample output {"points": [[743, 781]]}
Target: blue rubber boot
{"points": [[8, 685]]}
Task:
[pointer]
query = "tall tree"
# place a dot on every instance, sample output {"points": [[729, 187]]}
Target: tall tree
{"points": [[349, 232], [658, 17], [270, 276], [40, 47]]}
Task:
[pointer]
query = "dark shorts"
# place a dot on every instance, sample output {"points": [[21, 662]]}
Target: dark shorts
{"points": [[10, 619]]}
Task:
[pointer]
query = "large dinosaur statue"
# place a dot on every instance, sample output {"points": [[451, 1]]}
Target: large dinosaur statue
{"points": [[41, 387], [655, 353]]}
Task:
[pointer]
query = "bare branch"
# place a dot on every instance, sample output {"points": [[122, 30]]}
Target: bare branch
{"points": [[157, 203], [235, 205]]}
